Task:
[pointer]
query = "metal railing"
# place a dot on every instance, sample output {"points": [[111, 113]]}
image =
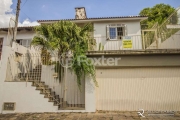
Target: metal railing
{"points": [[20, 67], [103, 43], [164, 32], [61, 80], [149, 40]]}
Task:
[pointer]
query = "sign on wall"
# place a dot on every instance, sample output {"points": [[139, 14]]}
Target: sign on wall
{"points": [[127, 42]]}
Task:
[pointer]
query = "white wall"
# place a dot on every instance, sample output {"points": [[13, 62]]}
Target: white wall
{"points": [[30, 100], [133, 29], [171, 43], [73, 95], [26, 97], [53, 83]]}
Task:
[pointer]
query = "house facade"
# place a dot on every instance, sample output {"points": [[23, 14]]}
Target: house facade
{"points": [[130, 76]]}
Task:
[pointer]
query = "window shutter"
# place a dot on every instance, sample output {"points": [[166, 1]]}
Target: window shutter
{"points": [[24, 43], [107, 32], [29, 43]]}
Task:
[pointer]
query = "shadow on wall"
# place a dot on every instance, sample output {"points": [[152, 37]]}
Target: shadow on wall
{"points": [[20, 64]]}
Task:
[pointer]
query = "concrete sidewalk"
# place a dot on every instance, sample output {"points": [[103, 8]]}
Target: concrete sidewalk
{"points": [[87, 116]]}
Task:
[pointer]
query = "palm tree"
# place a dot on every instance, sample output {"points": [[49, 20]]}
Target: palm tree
{"points": [[63, 37]]}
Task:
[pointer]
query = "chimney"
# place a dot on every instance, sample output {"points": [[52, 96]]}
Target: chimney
{"points": [[80, 13]]}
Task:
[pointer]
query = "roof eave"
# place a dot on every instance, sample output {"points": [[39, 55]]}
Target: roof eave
{"points": [[95, 20]]}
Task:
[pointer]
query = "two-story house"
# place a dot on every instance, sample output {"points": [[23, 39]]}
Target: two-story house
{"points": [[132, 77]]}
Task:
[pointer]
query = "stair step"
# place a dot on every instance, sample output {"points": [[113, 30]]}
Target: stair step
{"points": [[48, 93], [43, 91], [34, 83], [42, 87], [58, 104], [54, 100], [52, 94], [47, 96]]}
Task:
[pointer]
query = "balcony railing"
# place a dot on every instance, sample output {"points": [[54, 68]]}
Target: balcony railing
{"points": [[134, 43], [139, 42]]}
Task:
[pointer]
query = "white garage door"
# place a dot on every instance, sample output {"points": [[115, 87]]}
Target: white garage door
{"points": [[138, 88]]}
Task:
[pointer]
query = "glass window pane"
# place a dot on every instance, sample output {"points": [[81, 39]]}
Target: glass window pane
{"points": [[120, 31], [112, 32]]}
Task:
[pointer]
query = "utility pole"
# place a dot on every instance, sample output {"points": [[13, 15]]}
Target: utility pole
{"points": [[16, 21]]}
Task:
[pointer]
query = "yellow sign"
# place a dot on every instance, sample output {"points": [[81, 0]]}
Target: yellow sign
{"points": [[127, 43]]}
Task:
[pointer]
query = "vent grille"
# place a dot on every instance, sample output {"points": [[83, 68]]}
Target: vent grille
{"points": [[9, 106]]}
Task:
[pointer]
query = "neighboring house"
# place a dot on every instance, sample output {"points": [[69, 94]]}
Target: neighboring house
{"points": [[130, 76], [24, 37]]}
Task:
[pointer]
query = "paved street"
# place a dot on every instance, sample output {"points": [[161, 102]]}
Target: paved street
{"points": [[87, 116]]}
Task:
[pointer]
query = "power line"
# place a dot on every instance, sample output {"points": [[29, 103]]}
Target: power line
{"points": [[24, 4], [27, 16]]}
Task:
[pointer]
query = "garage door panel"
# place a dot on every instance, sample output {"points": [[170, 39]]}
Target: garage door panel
{"points": [[132, 89]]}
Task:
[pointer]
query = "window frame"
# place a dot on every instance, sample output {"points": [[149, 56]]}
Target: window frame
{"points": [[124, 26], [27, 41]]}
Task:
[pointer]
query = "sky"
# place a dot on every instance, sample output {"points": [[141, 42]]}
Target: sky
{"points": [[33, 10]]}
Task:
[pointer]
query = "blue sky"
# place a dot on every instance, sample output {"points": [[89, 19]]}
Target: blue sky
{"points": [[64, 9]]}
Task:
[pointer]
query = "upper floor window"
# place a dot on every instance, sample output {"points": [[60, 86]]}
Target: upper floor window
{"points": [[1, 46], [24, 42], [116, 31]]}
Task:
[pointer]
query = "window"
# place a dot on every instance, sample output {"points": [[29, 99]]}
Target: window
{"points": [[116, 31], [1, 46], [24, 42]]}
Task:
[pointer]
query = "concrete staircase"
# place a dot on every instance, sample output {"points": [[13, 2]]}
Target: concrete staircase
{"points": [[48, 93], [34, 76]]}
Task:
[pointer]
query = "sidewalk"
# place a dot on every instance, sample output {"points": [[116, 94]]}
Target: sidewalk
{"points": [[86, 116]]}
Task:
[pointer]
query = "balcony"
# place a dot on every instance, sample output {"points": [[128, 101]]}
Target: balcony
{"points": [[138, 42]]}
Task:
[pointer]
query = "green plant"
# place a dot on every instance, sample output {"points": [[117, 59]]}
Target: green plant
{"points": [[101, 47], [45, 57], [157, 14], [83, 69], [64, 37]]}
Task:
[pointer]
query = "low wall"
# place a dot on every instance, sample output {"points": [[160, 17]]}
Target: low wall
{"points": [[28, 99]]}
